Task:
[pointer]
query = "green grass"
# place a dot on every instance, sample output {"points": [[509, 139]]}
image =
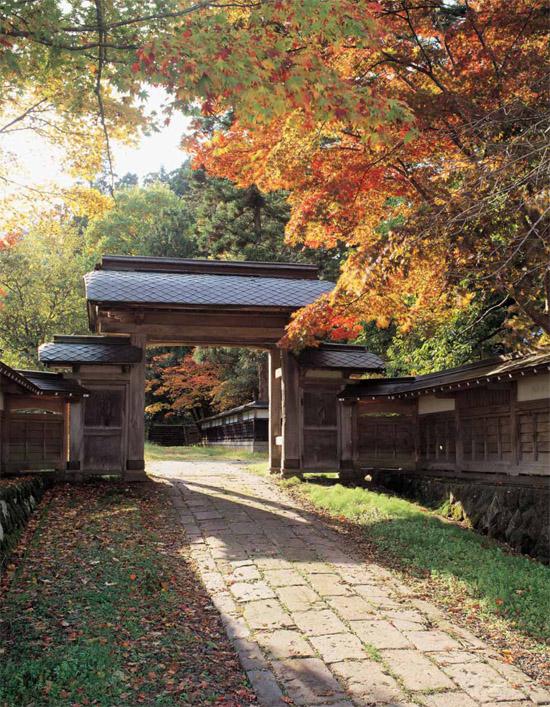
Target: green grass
{"points": [[105, 610], [154, 452], [465, 567]]}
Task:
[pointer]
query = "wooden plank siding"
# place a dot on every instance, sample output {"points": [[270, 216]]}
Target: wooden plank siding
{"points": [[387, 439], [488, 432]]}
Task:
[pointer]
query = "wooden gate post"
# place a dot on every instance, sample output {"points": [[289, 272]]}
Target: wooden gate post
{"points": [[135, 463], [275, 407], [291, 463]]}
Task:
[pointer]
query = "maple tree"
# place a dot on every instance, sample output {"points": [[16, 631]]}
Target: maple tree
{"points": [[66, 75], [188, 385], [413, 134]]}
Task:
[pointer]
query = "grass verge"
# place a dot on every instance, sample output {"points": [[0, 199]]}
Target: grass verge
{"points": [[467, 568], [154, 452], [105, 609]]}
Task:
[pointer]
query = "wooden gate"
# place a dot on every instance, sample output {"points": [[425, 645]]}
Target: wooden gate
{"points": [[104, 429], [34, 441], [320, 430]]}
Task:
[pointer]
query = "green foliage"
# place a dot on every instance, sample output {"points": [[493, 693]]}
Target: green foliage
{"points": [[231, 223], [472, 334], [145, 221], [41, 288]]}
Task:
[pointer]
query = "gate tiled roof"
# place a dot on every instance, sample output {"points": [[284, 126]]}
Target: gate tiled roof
{"points": [[138, 287], [89, 349]]}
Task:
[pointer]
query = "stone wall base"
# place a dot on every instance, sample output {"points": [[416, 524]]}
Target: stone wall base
{"points": [[518, 515], [18, 499]]}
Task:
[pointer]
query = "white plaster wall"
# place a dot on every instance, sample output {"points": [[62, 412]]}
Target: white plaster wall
{"points": [[429, 403], [534, 387]]}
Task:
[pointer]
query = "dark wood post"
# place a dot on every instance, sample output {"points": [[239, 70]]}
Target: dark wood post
{"points": [[459, 439], [347, 440], [135, 464], [263, 379], [291, 464], [3, 424], [514, 431], [76, 436], [275, 407]]}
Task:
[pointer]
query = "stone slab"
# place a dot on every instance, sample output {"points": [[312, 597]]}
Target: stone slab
{"points": [[266, 614], [328, 584], [416, 671], [284, 643], [251, 591], [308, 681], [380, 634], [432, 641], [283, 578], [318, 622], [482, 682], [367, 679], [338, 647], [351, 608]]}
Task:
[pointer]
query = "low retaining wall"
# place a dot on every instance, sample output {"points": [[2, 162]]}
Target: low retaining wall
{"points": [[18, 499], [516, 513]]}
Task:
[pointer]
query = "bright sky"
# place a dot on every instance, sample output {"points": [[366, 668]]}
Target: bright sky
{"points": [[155, 151], [38, 162]]}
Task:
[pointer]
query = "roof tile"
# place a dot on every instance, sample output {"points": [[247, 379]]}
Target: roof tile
{"points": [[192, 289], [342, 357], [89, 352]]}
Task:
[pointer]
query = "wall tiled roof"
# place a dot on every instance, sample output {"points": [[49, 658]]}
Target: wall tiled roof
{"points": [[17, 377], [79, 349], [504, 368], [340, 356], [51, 383], [197, 289]]}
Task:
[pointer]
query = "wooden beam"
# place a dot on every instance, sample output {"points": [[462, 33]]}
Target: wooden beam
{"points": [[298, 271], [200, 327], [404, 407]]}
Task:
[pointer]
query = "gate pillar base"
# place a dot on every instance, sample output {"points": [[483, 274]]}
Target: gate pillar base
{"points": [[292, 467], [133, 476], [135, 470]]}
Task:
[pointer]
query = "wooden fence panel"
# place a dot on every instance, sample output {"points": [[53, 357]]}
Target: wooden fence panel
{"points": [[34, 441]]}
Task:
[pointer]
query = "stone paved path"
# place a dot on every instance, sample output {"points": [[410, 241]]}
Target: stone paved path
{"points": [[310, 620]]}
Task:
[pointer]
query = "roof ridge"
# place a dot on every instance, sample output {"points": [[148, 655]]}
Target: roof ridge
{"points": [[243, 268]]}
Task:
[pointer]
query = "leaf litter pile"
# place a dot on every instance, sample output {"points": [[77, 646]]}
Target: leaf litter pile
{"points": [[103, 608]]}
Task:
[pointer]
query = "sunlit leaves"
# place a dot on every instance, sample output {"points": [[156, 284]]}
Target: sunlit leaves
{"points": [[347, 105]]}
